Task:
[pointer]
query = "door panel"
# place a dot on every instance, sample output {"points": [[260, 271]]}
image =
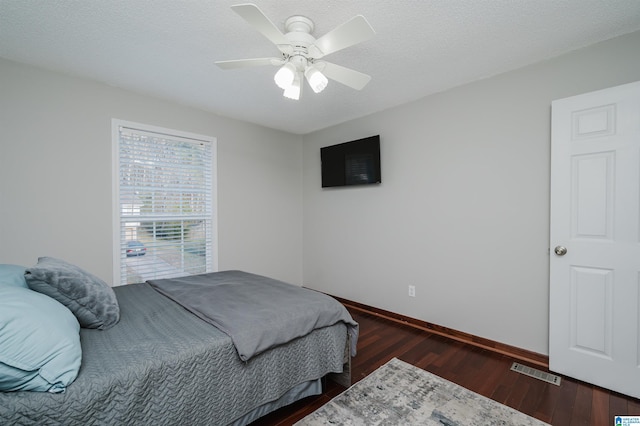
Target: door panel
{"points": [[594, 301], [591, 310], [592, 195]]}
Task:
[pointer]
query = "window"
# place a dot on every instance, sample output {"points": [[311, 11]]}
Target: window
{"points": [[164, 194]]}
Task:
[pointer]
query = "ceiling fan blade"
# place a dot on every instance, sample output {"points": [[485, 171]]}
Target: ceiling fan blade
{"points": [[254, 16], [347, 76], [246, 63], [354, 31]]}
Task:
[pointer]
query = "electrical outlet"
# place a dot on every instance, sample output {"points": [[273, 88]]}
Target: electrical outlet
{"points": [[412, 291]]}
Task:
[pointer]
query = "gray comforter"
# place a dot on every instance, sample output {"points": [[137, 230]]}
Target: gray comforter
{"points": [[161, 365], [257, 312]]}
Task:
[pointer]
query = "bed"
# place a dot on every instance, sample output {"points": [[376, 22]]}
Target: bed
{"points": [[163, 364]]}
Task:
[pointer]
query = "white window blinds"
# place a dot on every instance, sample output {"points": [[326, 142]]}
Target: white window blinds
{"points": [[165, 191]]}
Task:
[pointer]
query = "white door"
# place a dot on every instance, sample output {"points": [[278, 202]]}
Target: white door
{"points": [[595, 216]]}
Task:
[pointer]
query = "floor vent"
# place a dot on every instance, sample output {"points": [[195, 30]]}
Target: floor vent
{"points": [[541, 375]]}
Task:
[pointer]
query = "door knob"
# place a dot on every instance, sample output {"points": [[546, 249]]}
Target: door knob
{"points": [[560, 251]]}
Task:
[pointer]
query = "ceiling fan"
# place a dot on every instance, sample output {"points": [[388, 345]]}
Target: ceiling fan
{"points": [[301, 52]]}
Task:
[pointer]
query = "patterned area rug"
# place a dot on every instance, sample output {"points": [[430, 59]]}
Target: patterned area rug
{"points": [[400, 394]]}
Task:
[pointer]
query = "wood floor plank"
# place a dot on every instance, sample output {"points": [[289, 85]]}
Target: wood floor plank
{"points": [[618, 405], [600, 408], [534, 397], [563, 405], [505, 386], [494, 369], [519, 391], [633, 407], [471, 370], [548, 403], [581, 414]]}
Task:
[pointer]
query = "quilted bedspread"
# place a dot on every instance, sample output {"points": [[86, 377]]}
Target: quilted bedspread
{"points": [[161, 365]]}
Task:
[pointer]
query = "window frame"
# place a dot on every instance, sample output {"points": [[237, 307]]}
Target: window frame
{"points": [[116, 125]]}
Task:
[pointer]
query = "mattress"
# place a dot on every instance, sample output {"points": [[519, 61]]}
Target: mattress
{"points": [[161, 365]]}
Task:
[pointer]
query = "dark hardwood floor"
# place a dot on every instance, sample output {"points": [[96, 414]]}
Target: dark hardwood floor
{"points": [[480, 370]]}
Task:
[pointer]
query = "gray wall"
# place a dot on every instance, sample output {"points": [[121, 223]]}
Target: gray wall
{"points": [[462, 214], [56, 175], [463, 210]]}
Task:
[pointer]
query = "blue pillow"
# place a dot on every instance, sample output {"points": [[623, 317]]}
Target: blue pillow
{"points": [[12, 275], [39, 342]]}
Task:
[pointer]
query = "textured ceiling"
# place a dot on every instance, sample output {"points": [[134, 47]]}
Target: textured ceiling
{"points": [[167, 48]]}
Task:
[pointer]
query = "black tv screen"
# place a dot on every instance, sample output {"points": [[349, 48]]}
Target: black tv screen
{"points": [[351, 163]]}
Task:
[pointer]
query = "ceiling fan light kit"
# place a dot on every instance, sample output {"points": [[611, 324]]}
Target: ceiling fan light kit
{"points": [[290, 74], [300, 51]]}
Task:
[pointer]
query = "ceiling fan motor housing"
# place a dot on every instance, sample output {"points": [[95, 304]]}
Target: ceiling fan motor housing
{"points": [[299, 30]]}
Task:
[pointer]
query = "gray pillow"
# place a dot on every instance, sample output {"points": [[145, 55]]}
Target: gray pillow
{"points": [[90, 299]]}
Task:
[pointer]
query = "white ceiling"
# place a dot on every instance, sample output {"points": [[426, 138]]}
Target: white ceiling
{"points": [[167, 48]]}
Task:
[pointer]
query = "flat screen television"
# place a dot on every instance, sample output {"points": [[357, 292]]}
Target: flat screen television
{"points": [[351, 163]]}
